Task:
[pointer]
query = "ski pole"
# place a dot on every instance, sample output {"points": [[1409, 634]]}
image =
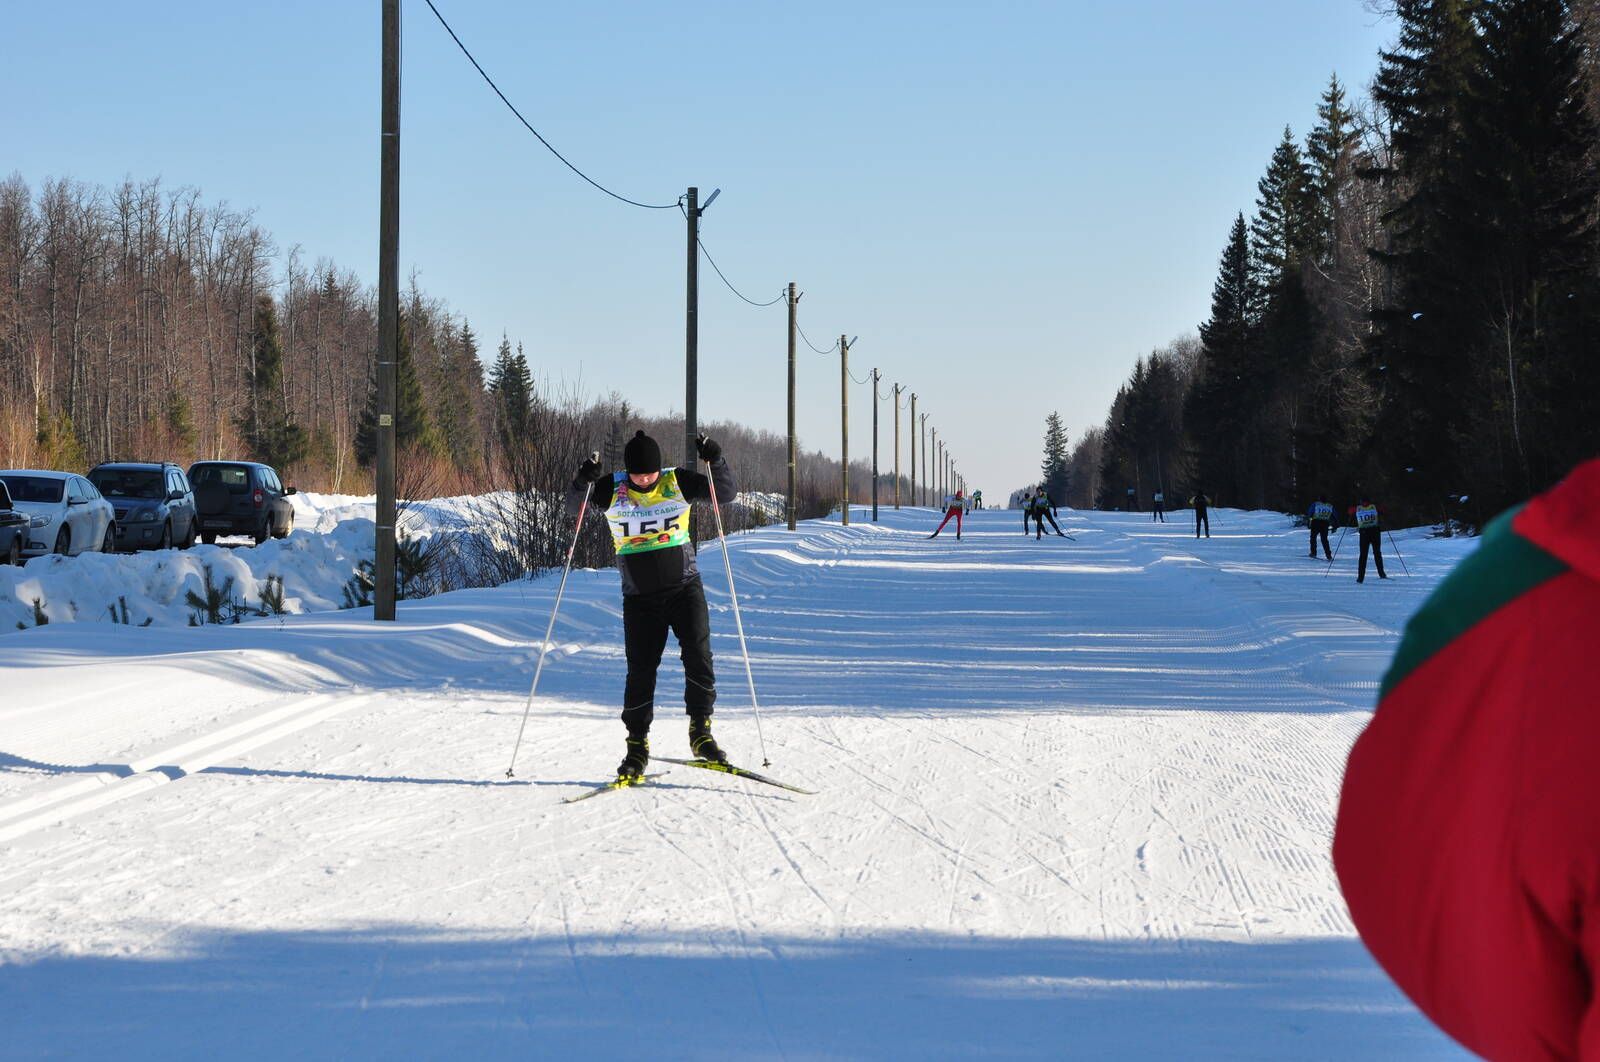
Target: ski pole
{"points": [[738, 623], [544, 646], [1336, 545], [1396, 549]]}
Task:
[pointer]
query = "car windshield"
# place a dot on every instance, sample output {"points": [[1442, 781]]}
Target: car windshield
{"points": [[235, 477], [34, 488], [127, 483]]}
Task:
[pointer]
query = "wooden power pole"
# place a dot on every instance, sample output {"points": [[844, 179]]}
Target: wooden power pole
{"points": [[897, 390], [388, 311], [793, 299], [874, 445], [844, 425]]}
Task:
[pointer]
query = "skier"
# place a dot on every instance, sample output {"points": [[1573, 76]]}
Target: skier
{"points": [[954, 505], [977, 500], [1160, 510], [1201, 504], [1369, 526], [647, 507], [1467, 833], [1320, 516], [1047, 511], [1133, 500]]}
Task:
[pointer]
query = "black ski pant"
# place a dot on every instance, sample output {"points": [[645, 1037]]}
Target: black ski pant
{"points": [[1371, 538], [1319, 529], [646, 618], [1201, 517], [1158, 513]]}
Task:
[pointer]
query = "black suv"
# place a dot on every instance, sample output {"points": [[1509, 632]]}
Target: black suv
{"points": [[154, 505], [241, 498]]}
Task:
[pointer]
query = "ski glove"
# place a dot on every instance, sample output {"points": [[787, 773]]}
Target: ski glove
{"points": [[709, 449], [591, 471]]}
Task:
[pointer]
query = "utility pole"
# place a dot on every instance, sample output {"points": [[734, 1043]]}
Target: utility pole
{"points": [[934, 484], [388, 310], [913, 448], [927, 470], [874, 445], [691, 331], [897, 446], [844, 426], [793, 299]]}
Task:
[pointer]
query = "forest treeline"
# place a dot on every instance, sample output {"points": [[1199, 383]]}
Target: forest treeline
{"points": [[1411, 305], [140, 322]]}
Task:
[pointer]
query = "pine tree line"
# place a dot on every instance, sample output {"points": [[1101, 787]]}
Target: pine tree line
{"points": [[1411, 306]]}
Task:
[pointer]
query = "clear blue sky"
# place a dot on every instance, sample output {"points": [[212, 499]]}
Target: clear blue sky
{"points": [[1007, 202]]}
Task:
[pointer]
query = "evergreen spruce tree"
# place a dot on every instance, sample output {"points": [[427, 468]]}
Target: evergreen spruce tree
{"points": [[1053, 472], [413, 428], [1425, 355], [1218, 402], [1328, 149], [511, 390], [269, 435], [1285, 225]]}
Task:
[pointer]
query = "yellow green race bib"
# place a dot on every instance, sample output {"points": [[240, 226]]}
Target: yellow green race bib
{"points": [[647, 520]]}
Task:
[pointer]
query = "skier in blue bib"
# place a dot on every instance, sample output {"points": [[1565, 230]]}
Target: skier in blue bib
{"points": [[1320, 517], [647, 508]]}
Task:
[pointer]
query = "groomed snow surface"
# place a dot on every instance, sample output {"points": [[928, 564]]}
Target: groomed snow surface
{"points": [[1075, 800]]}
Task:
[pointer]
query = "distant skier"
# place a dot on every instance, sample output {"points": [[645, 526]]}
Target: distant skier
{"points": [[1047, 511], [1202, 505], [1160, 510], [1133, 500], [977, 500], [647, 507], [954, 505], [1320, 516], [1467, 842], [1368, 519]]}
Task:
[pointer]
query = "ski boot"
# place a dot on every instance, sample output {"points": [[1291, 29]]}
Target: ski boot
{"points": [[631, 769], [701, 744]]}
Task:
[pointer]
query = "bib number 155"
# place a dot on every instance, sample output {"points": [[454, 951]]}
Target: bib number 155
{"points": [[634, 528]]}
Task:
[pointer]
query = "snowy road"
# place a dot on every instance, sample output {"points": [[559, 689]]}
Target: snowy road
{"points": [[1075, 801]]}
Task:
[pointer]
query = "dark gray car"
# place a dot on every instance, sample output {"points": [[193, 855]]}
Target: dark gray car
{"points": [[240, 498], [154, 505]]}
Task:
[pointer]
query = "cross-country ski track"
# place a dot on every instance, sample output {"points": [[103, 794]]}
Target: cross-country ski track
{"points": [[1074, 801]]}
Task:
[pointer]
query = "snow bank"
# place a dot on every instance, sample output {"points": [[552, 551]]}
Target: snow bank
{"points": [[332, 536]]}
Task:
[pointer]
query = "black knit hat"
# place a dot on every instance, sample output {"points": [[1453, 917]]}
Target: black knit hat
{"points": [[642, 455]]}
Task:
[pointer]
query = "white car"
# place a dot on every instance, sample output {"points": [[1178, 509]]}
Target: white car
{"points": [[66, 513]]}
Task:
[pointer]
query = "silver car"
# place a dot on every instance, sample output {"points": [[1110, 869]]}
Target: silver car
{"points": [[66, 514]]}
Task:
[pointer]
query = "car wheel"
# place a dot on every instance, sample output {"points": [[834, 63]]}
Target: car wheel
{"points": [[288, 525], [15, 556], [166, 536], [265, 532], [208, 537], [63, 541], [109, 543], [188, 541]]}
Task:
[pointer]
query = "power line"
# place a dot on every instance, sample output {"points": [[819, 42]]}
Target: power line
{"points": [[527, 125], [812, 345], [736, 291], [852, 375]]}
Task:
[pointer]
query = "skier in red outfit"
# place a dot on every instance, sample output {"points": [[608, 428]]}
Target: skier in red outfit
{"points": [[1468, 836], [954, 505]]}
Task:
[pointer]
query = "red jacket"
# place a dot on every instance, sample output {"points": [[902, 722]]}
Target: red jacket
{"points": [[1468, 836]]}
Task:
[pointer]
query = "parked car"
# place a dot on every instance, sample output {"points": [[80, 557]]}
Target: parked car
{"points": [[66, 513], [152, 501], [240, 498], [13, 529]]}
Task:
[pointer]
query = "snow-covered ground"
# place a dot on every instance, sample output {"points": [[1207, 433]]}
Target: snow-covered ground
{"points": [[1075, 800]]}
